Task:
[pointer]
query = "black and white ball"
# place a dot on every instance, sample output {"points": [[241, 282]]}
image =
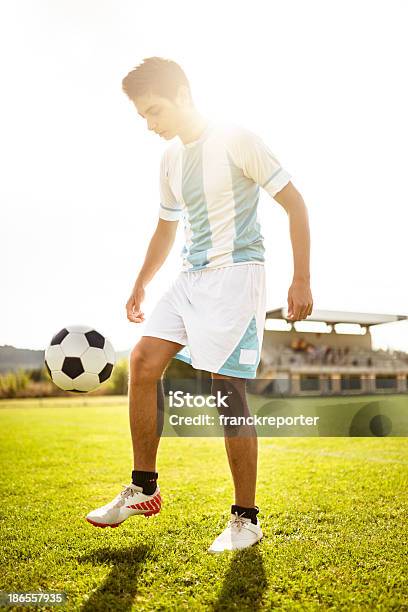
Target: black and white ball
{"points": [[79, 358]]}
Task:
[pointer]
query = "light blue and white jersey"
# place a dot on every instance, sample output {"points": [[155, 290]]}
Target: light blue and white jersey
{"points": [[213, 185]]}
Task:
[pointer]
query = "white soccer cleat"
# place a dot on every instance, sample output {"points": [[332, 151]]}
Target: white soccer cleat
{"points": [[240, 533], [130, 502]]}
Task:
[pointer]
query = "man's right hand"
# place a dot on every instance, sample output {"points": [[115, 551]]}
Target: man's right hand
{"points": [[134, 314]]}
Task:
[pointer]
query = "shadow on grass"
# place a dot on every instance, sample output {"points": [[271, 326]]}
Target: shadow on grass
{"points": [[120, 587], [244, 583]]}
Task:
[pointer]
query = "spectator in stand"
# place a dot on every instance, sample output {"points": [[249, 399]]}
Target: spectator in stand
{"points": [[303, 344], [296, 344], [310, 353], [320, 352]]}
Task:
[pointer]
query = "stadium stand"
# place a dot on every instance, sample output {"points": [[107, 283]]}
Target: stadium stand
{"points": [[327, 362]]}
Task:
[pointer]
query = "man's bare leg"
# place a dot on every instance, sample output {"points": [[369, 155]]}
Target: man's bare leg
{"points": [[242, 456], [148, 361]]}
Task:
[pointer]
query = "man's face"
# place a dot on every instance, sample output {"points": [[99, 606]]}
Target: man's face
{"points": [[162, 115]]}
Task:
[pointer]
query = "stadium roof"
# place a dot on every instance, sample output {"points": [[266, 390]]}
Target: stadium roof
{"points": [[334, 316]]}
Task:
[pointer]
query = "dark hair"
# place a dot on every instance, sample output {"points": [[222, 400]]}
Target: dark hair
{"points": [[155, 75]]}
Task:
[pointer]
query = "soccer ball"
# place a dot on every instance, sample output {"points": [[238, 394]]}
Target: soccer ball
{"points": [[79, 358]]}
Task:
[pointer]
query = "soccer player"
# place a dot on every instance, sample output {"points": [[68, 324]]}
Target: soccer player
{"points": [[213, 315]]}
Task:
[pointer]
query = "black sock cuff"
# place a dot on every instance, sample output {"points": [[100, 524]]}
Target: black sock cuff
{"points": [[250, 513], [143, 477], [146, 480]]}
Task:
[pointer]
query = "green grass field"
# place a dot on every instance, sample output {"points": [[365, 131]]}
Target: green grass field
{"points": [[333, 512]]}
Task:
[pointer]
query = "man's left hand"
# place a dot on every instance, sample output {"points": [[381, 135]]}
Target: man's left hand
{"points": [[300, 301]]}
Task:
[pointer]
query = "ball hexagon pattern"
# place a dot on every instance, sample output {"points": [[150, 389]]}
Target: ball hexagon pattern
{"points": [[79, 358]]}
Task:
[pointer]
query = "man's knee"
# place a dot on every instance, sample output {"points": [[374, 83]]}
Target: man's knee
{"points": [[231, 401], [143, 365]]}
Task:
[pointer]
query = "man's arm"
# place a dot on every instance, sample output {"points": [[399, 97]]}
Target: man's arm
{"points": [[261, 165], [300, 301], [159, 247]]}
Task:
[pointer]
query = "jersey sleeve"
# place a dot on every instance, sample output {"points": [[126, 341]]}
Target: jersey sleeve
{"points": [[259, 163], [170, 209]]}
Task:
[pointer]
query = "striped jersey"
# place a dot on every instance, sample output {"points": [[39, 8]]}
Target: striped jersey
{"points": [[212, 184]]}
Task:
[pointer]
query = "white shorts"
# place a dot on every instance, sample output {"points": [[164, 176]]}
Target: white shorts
{"points": [[218, 314]]}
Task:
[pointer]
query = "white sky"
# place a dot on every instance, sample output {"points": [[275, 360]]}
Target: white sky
{"points": [[323, 83]]}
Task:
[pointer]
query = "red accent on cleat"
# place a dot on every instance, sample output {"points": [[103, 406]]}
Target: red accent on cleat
{"points": [[159, 501], [150, 504], [151, 513]]}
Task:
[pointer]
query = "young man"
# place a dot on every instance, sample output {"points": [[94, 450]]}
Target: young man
{"points": [[213, 314]]}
